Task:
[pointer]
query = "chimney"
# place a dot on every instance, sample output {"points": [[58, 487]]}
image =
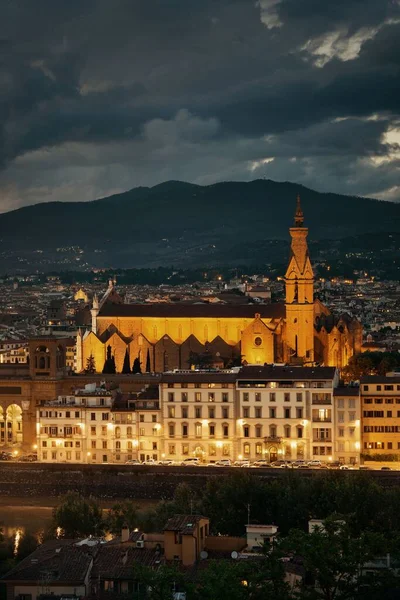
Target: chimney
{"points": [[125, 533]]}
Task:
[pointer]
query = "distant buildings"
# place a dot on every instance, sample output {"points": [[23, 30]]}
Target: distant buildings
{"points": [[165, 336]]}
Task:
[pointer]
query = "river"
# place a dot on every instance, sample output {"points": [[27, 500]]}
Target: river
{"points": [[18, 515]]}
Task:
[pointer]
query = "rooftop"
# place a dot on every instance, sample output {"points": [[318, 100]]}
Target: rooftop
{"points": [[286, 372], [184, 524], [266, 311]]}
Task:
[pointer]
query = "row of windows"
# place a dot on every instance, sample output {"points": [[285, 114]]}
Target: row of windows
{"points": [[198, 397], [48, 444], [211, 450], [388, 387], [287, 396], [341, 416], [382, 400], [198, 412], [288, 431], [198, 385], [69, 414], [287, 413], [381, 428], [351, 403], [53, 455], [380, 445], [199, 430], [380, 413], [341, 431], [322, 450]]}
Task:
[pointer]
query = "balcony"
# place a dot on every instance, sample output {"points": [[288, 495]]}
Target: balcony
{"points": [[322, 401], [272, 439], [322, 441], [319, 420]]}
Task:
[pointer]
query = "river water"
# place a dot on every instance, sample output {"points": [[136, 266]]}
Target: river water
{"points": [[18, 515]]}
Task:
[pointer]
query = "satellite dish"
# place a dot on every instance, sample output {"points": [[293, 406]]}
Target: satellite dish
{"points": [[203, 554], [234, 555]]}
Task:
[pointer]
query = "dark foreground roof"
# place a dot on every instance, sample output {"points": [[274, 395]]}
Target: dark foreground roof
{"points": [[185, 524], [60, 560], [231, 311]]}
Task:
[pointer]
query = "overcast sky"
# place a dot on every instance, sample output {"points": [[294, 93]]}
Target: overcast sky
{"points": [[99, 96]]}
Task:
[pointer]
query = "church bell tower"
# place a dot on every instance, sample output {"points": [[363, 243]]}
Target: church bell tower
{"points": [[299, 282]]}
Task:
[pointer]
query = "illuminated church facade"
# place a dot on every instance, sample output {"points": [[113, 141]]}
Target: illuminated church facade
{"points": [[166, 336]]}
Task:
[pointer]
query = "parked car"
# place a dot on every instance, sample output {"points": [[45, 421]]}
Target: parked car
{"points": [[346, 468], [150, 462], [5, 456], [279, 464], [335, 464], [314, 463], [241, 463], [303, 467], [362, 468], [260, 463], [296, 464], [386, 468], [166, 463], [191, 462], [133, 461], [224, 462]]}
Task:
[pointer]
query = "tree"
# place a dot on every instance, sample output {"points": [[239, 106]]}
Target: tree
{"points": [[26, 545], [126, 369], [201, 360], [333, 559], [109, 365], [161, 583], [120, 515], [136, 368], [78, 516], [148, 365], [90, 365]]}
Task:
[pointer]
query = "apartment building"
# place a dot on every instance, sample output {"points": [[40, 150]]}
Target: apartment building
{"points": [[347, 417], [285, 412], [199, 415], [380, 405], [99, 426], [137, 426], [72, 428]]}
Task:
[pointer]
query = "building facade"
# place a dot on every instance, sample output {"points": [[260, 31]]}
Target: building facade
{"points": [[166, 336], [99, 426], [347, 419], [380, 405], [199, 413]]}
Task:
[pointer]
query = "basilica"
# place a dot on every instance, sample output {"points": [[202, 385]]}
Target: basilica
{"points": [[162, 337]]}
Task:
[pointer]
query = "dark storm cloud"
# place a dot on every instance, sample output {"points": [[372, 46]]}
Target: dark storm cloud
{"points": [[99, 96]]}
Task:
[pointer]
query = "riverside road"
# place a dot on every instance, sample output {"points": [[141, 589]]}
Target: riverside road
{"points": [[29, 480]]}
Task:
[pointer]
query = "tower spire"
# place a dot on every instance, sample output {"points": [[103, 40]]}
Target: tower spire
{"points": [[298, 217]]}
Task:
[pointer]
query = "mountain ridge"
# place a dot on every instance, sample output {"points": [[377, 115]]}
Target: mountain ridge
{"points": [[188, 223]]}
